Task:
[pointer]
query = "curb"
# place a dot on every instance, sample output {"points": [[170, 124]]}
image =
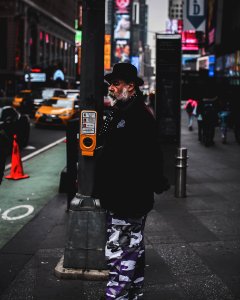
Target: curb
{"points": [[67, 273], [38, 151]]}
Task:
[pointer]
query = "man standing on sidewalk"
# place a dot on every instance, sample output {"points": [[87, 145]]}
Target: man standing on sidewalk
{"points": [[129, 171]]}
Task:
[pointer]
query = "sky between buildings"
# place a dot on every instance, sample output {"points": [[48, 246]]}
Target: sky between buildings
{"points": [[157, 17]]}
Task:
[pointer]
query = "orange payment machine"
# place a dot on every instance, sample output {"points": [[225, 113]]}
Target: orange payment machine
{"points": [[88, 132]]}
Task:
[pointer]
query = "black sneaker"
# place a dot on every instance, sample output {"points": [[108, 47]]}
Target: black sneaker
{"points": [[135, 294], [137, 297]]}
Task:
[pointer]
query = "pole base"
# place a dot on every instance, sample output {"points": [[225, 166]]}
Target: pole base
{"points": [[68, 273]]}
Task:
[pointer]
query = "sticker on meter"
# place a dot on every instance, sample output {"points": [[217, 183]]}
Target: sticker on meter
{"points": [[88, 130], [89, 120]]}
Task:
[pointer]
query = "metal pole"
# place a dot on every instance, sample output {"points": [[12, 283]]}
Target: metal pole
{"points": [[86, 228], [181, 173], [72, 159]]}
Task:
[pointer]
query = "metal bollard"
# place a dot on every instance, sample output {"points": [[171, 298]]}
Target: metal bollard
{"points": [[181, 173]]}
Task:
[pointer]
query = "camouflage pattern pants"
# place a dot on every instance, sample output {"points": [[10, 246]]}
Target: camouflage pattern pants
{"points": [[125, 254]]}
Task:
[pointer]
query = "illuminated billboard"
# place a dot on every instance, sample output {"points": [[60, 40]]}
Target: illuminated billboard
{"points": [[122, 51], [189, 40], [135, 62], [207, 63], [122, 6], [107, 52], [122, 26], [121, 31]]}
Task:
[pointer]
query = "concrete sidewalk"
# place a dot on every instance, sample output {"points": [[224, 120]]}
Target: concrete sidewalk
{"points": [[19, 197], [192, 243]]}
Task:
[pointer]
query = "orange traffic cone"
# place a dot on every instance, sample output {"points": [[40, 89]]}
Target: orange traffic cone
{"points": [[16, 167]]}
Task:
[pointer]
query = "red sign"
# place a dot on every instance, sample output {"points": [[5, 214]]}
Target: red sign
{"points": [[36, 70], [189, 40], [122, 6]]}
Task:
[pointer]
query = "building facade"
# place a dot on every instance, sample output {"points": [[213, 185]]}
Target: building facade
{"points": [[175, 9], [223, 40], [36, 35]]}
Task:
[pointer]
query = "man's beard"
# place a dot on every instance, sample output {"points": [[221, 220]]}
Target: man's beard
{"points": [[124, 96]]}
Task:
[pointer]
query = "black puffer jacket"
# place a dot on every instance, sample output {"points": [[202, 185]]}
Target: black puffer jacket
{"points": [[129, 168]]}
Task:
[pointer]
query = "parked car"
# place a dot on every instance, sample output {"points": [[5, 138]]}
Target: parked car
{"points": [[56, 111], [23, 101], [13, 122]]}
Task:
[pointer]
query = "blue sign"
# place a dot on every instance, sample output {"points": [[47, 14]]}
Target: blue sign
{"points": [[58, 75], [135, 61]]}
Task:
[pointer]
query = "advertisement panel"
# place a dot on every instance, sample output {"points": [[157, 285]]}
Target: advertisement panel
{"points": [[35, 77], [135, 62], [207, 63], [122, 6], [228, 66], [107, 52], [122, 51], [211, 65], [189, 41], [122, 26], [121, 31]]}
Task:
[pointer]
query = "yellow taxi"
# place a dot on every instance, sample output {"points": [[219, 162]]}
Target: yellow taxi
{"points": [[22, 101], [56, 111], [18, 99]]}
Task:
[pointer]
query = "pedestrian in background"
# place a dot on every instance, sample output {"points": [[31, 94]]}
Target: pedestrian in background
{"points": [[208, 107], [189, 107], [128, 172], [223, 116], [199, 113]]}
